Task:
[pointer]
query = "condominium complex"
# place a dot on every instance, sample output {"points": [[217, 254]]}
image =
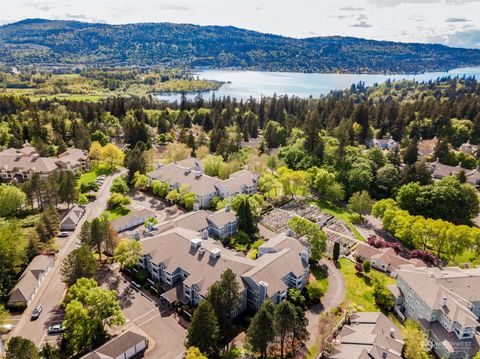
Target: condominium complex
{"points": [[23, 162], [190, 172], [368, 335], [186, 263], [446, 302]]}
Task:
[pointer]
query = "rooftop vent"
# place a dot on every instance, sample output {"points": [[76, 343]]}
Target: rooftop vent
{"points": [[188, 170], [205, 234], [202, 251], [196, 243], [215, 253]]}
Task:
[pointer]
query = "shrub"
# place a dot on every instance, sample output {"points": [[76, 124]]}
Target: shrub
{"points": [[119, 185], [295, 296], [82, 199], [314, 292], [424, 255], [140, 277], [378, 242], [242, 238], [383, 298], [88, 186], [366, 266], [117, 199]]}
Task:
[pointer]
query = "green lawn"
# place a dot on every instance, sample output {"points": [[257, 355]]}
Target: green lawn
{"points": [[91, 176], [359, 290], [341, 213], [116, 212], [321, 278]]}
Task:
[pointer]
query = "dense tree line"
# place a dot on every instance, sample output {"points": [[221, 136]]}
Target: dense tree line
{"points": [[217, 47]]}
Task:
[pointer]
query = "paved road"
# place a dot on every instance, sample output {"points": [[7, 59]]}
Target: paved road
{"points": [[52, 290], [146, 313], [333, 298]]}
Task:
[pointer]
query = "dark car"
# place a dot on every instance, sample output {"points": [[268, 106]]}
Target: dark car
{"points": [[56, 329], [136, 285], [36, 313]]}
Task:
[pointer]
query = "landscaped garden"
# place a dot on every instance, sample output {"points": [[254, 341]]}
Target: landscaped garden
{"points": [[360, 287], [341, 213]]}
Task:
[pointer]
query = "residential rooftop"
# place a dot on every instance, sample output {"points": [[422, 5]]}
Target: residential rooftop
{"points": [[450, 290], [176, 249], [369, 335]]}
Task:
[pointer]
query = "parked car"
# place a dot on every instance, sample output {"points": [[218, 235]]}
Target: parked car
{"points": [[63, 234], [136, 285], [36, 313], [56, 329], [6, 328]]}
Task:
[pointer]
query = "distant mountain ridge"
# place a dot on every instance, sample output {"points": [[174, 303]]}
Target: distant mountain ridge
{"points": [[55, 42]]}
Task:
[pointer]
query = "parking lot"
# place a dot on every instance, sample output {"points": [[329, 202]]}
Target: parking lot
{"points": [[166, 335]]}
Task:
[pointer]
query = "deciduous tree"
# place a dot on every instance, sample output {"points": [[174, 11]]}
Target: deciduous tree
{"points": [[19, 347], [11, 200], [113, 156], [128, 253]]}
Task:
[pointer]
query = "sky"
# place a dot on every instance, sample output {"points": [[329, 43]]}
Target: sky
{"points": [[450, 22]]}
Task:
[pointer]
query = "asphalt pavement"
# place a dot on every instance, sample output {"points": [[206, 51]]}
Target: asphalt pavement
{"points": [[52, 290]]}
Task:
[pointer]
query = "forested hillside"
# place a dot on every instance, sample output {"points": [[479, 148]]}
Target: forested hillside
{"points": [[38, 41]]}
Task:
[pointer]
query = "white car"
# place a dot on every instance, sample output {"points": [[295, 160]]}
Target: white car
{"points": [[6, 328], [63, 234], [56, 329]]}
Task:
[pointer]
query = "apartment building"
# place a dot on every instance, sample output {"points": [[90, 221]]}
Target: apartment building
{"points": [[368, 335], [23, 162], [190, 172], [186, 264], [447, 305], [220, 224]]}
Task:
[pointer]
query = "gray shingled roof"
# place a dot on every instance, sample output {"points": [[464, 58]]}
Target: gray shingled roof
{"points": [[27, 283], [459, 286], [369, 335], [116, 346]]}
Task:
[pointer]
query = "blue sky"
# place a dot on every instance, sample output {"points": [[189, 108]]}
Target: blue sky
{"points": [[451, 22]]}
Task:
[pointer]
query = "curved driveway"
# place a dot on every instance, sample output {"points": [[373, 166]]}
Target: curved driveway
{"points": [[332, 298]]}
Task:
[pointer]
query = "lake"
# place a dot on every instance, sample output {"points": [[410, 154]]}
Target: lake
{"points": [[245, 84]]}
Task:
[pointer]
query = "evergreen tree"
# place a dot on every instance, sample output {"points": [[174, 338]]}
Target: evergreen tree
{"points": [[224, 297], [135, 161], [98, 233], [260, 333], [336, 251], [285, 314], [246, 219], [410, 153], [203, 332], [79, 263], [300, 332]]}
